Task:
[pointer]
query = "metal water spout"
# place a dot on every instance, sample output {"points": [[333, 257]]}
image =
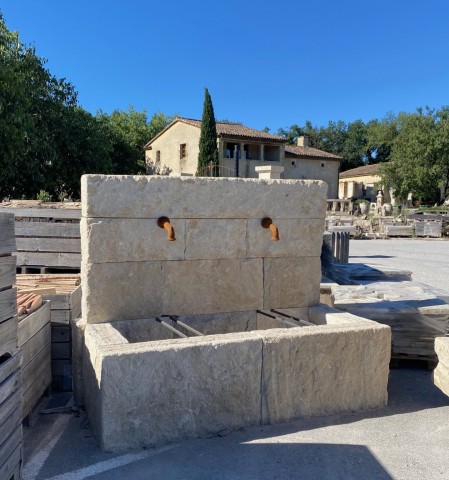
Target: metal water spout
{"points": [[164, 222], [268, 223]]}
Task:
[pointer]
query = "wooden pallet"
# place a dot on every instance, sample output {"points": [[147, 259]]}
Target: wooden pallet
{"points": [[10, 358], [64, 293], [47, 234], [35, 341]]}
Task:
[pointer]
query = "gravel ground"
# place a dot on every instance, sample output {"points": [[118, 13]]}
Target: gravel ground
{"points": [[427, 259]]}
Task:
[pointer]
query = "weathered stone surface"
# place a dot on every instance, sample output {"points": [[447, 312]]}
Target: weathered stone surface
{"points": [[192, 197], [143, 330], [221, 323], [323, 370], [297, 238], [291, 282], [212, 286], [441, 372], [325, 315], [167, 391], [118, 291], [215, 239], [130, 240]]}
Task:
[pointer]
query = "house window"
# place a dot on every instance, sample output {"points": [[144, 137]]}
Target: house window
{"points": [[182, 150], [158, 155]]}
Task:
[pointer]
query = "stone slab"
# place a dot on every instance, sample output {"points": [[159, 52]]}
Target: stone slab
{"points": [[212, 286], [130, 240], [78, 326], [208, 239], [193, 197], [297, 238], [119, 291], [216, 386], [291, 282], [441, 372], [323, 370]]}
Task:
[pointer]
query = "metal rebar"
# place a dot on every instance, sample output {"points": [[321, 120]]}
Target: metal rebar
{"points": [[300, 320], [173, 329]]}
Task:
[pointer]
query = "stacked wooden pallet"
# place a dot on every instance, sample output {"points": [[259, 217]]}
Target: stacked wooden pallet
{"points": [[10, 356], [64, 294], [48, 235], [34, 340]]}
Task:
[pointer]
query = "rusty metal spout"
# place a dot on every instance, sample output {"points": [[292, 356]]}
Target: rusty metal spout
{"points": [[268, 223], [164, 222]]}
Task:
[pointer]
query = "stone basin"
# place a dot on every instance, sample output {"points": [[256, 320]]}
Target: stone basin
{"points": [[144, 385]]}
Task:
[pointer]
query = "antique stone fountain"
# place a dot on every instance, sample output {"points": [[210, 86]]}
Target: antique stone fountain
{"points": [[201, 304]]}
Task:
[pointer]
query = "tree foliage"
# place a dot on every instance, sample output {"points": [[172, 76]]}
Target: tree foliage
{"points": [[47, 141], [419, 160], [208, 150]]}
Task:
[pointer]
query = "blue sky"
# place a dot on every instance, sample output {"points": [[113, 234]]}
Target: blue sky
{"points": [[265, 63]]}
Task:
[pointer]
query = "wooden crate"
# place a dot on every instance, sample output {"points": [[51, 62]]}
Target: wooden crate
{"points": [[47, 235], [35, 342], [65, 306], [10, 357]]}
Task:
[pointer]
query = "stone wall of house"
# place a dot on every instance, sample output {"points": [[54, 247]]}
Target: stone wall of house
{"points": [[222, 260], [317, 169], [169, 146]]}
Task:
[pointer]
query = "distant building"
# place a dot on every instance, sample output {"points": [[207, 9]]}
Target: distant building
{"points": [[364, 183], [175, 150]]}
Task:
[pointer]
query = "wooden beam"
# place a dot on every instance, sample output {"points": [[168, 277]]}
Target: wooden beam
{"points": [[7, 234], [47, 229]]}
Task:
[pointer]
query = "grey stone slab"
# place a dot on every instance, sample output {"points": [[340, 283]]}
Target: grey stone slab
{"points": [[130, 240], [121, 291], [155, 398], [212, 286], [323, 370], [215, 239], [193, 197], [291, 282], [297, 238]]}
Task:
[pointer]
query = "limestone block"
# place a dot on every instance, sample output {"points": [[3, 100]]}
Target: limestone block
{"points": [[212, 286], [323, 370], [215, 239], [441, 372], [167, 391], [119, 291], [297, 238], [193, 197], [325, 315], [130, 240], [291, 282]]}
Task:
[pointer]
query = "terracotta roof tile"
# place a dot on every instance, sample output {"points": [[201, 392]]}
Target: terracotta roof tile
{"points": [[361, 171], [236, 130], [295, 151]]}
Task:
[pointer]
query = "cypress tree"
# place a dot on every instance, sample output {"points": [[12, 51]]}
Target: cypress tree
{"points": [[208, 153]]}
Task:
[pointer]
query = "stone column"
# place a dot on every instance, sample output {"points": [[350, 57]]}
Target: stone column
{"points": [[269, 171], [242, 151], [261, 152]]}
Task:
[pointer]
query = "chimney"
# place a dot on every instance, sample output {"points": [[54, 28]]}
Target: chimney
{"points": [[303, 141]]}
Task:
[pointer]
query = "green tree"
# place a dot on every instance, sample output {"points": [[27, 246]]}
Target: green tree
{"points": [[419, 160], [208, 150]]}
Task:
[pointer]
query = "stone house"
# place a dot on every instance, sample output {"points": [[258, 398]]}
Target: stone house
{"points": [[362, 183], [241, 149]]}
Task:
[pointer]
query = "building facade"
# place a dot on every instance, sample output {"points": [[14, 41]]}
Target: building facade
{"points": [[241, 149]]}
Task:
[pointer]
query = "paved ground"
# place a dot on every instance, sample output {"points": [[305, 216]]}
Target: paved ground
{"points": [[428, 259], [408, 440]]}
